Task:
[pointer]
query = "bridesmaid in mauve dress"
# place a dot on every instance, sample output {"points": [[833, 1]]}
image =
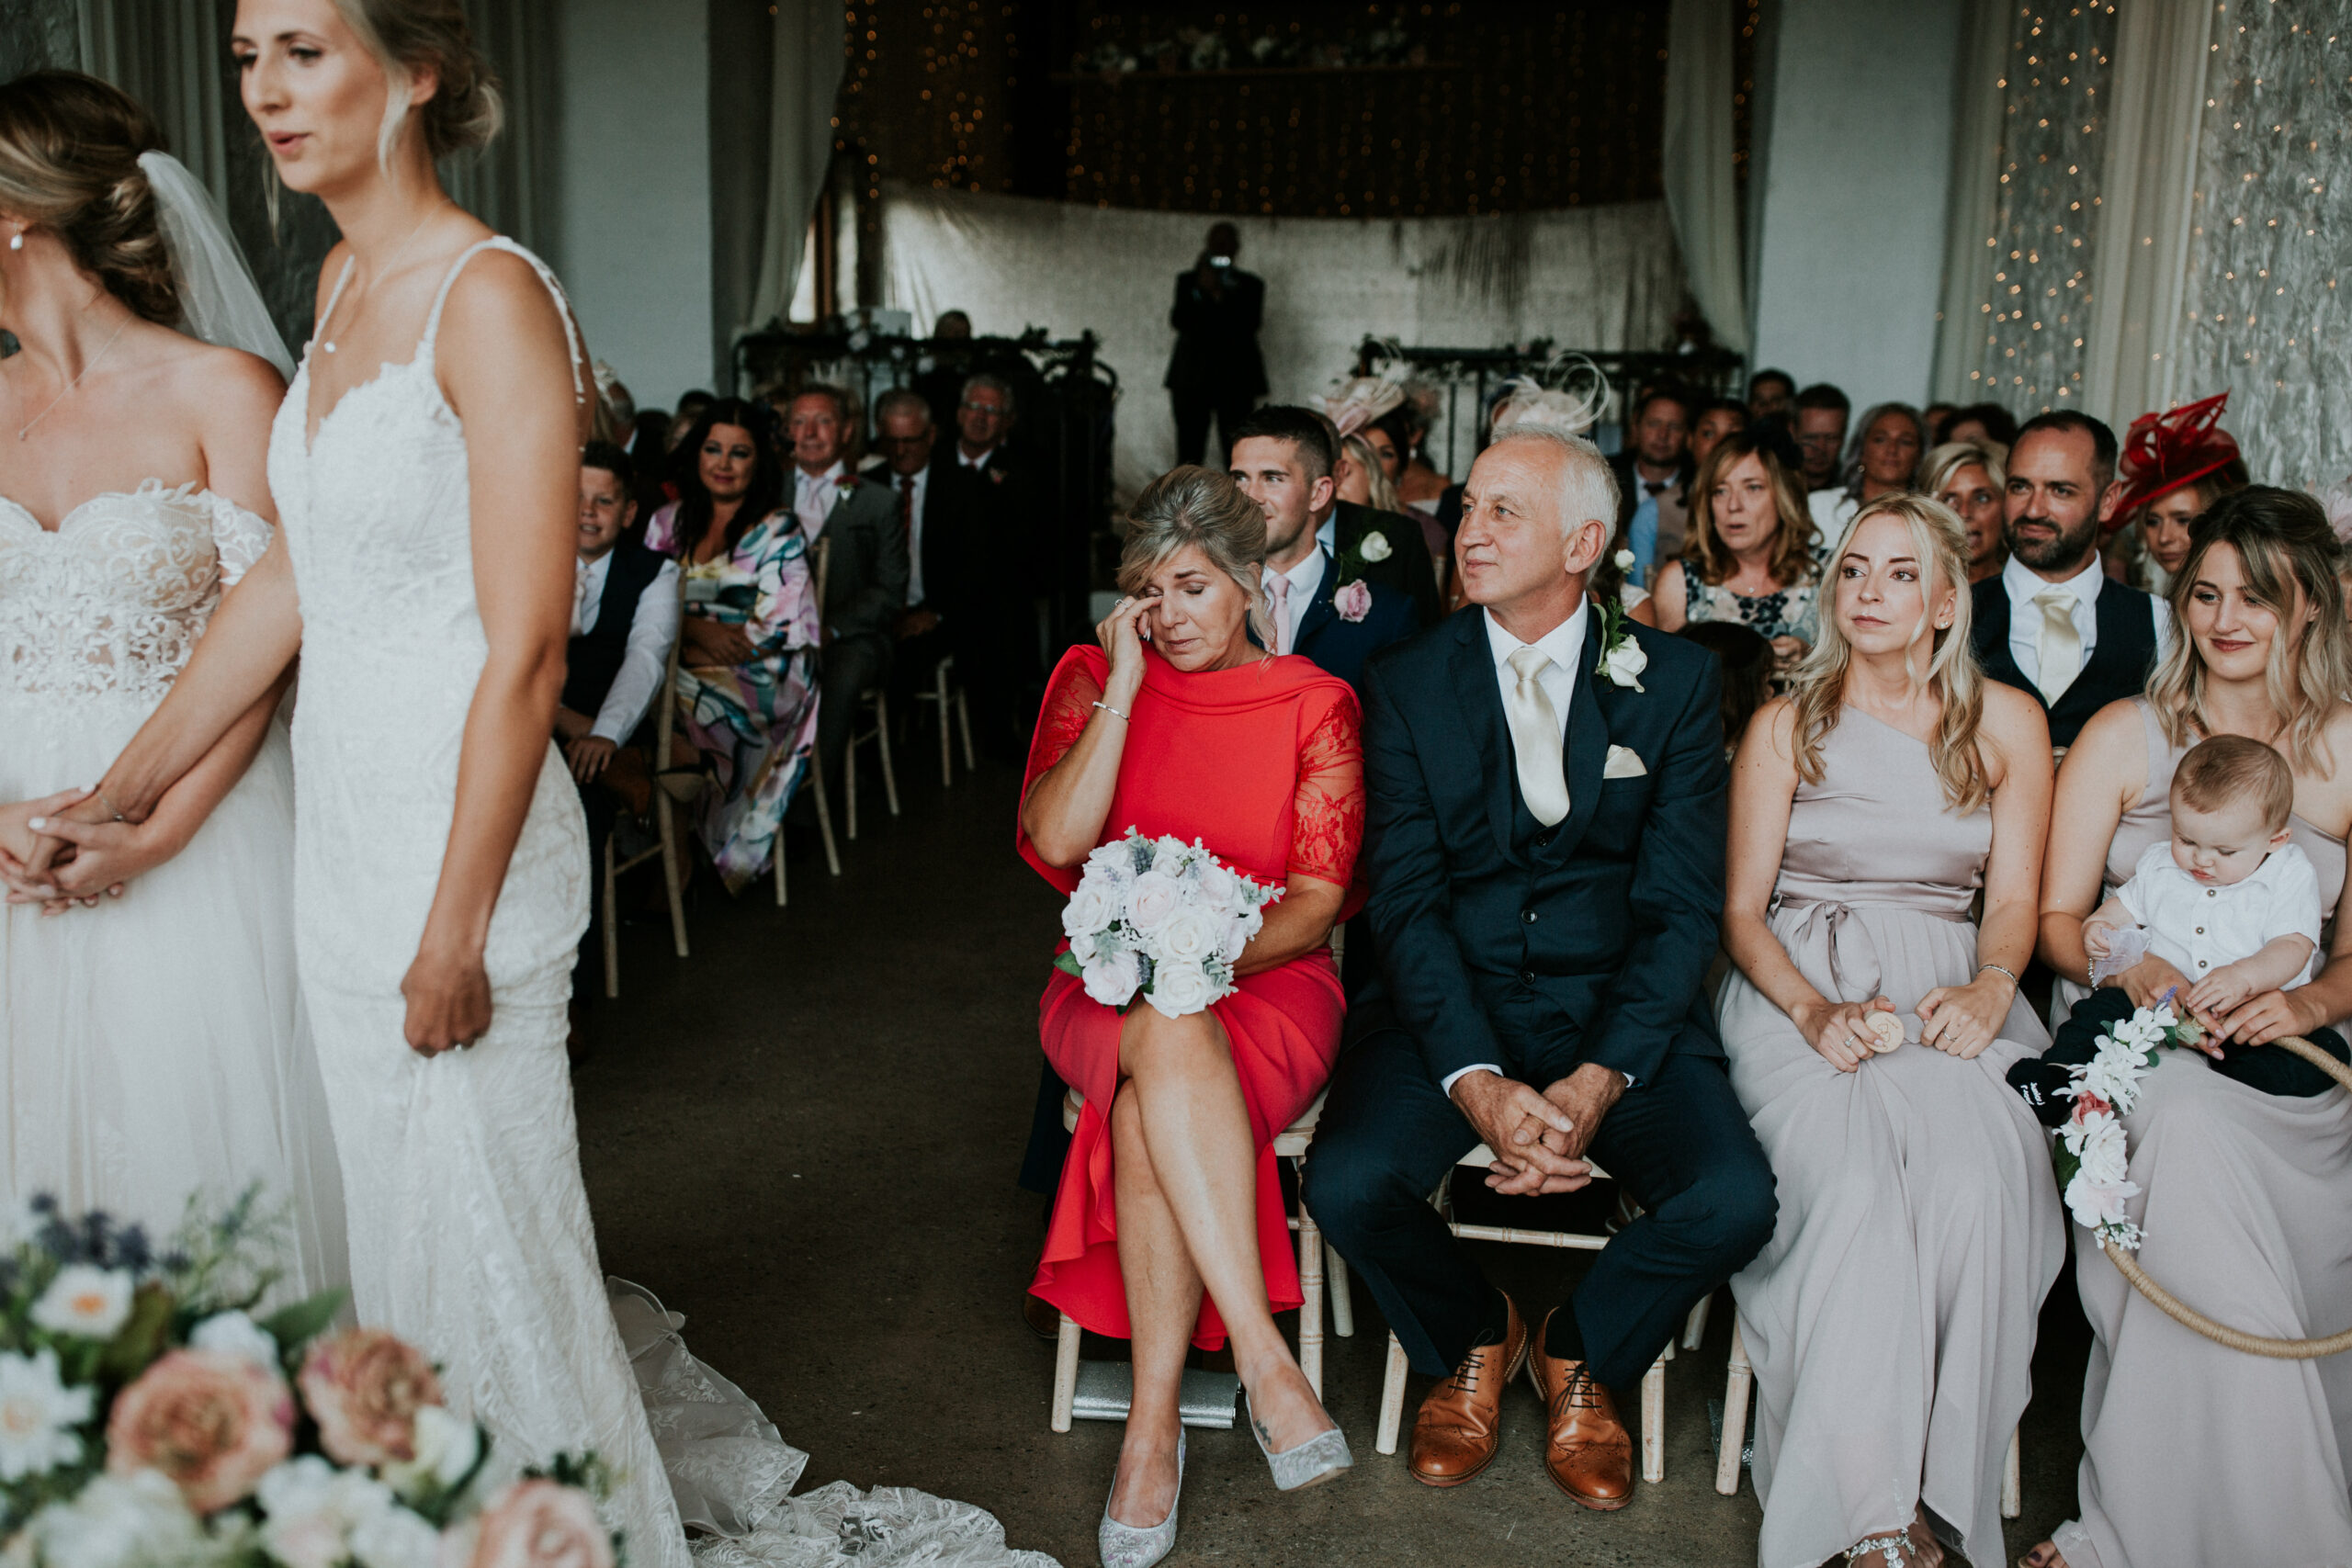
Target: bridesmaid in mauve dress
{"points": [[1891, 1320], [2194, 1453]]}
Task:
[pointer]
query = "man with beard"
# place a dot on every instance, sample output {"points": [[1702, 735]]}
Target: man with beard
{"points": [[2053, 623]]}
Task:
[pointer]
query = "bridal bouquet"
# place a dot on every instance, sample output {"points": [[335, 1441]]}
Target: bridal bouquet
{"points": [[149, 1420], [2093, 1157], [1162, 919]]}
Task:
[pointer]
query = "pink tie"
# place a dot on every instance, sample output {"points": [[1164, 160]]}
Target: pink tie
{"points": [[1279, 587]]}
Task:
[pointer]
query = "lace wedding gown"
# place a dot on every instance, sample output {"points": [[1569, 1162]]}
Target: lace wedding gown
{"points": [[469, 1226], [155, 1048]]}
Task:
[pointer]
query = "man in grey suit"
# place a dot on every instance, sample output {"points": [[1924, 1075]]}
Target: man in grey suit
{"points": [[866, 572]]}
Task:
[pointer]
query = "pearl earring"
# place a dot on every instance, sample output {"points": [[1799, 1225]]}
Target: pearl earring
{"points": [[17, 240]]}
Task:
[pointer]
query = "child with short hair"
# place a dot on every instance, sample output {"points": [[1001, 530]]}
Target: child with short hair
{"points": [[2229, 901]]}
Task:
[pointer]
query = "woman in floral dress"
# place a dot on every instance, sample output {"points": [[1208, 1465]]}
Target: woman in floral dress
{"points": [[1747, 554]]}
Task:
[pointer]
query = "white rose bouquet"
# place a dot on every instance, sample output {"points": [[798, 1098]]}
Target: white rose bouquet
{"points": [[1160, 919]]}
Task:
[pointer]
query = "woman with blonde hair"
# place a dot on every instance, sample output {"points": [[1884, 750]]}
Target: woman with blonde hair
{"points": [[1971, 480], [1891, 1320], [1178, 723], [2242, 1191], [1747, 554], [1360, 478]]}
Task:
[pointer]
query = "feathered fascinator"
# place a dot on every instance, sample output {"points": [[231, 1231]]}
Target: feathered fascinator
{"points": [[1572, 404], [1355, 402], [2165, 451], [2337, 501]]}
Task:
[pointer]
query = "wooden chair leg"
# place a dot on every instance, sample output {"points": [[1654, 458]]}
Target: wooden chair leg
{"points": [[1654, 1421], [963, 721], [849, 783], [1694, 1330], [612, 923], [1064, 1372], [1736, 1386], [1343, 1306], [882, 744], [1392, 1399], [2013, 1479], [824, 816], [783, 889], [1310, 1310], [946, 753], [673, 879]]}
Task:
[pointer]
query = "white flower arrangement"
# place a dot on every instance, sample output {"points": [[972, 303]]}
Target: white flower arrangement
{"points": [[2094, 1156], [1160, 919]]}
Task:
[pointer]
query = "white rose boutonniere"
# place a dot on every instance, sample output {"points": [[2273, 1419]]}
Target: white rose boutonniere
{"points": [[1621, 659], [1375, 546], [1624, 560]]}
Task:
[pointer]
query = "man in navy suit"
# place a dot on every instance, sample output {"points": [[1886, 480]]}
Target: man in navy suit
{"points": [[1281, 460], [1545, 842]]}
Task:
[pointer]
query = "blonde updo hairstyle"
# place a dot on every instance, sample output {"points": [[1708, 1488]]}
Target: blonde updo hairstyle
{"points": [[1207, 509], [68, 165], [409, 38]]}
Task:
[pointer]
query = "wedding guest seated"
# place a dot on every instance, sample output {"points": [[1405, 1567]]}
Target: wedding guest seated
{"points": [[2174, 467], [867, 565], [1972, 482], [905, 439], [1884, 461], [747, 672], [2242, 1192], [1359, 478], [2053, 623], [1543, 843], [1937, 418], [1819, 422], [1772, 393], [1891, 1320], [1750, 554], [1003, 522], [1282, 462], [1987, 424], [1653, 478], [1746, 662], [623, 618], [1383, 548], [1714, 419], [2229, 901], [1179, 724], [1419, 484]]}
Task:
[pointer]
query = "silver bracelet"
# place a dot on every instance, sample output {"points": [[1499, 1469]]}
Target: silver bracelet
{"points": [[108, 804], [1998, 970], [1106, 708]]}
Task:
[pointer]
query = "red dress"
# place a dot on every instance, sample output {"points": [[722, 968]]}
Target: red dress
{"points": [[1264, 764]]}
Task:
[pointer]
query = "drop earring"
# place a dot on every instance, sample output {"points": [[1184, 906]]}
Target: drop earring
{"points": [[17, 240]]}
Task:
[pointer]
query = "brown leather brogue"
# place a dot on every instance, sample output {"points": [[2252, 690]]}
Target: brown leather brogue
{"points": [[1460, 1424], [1586, 1451]]}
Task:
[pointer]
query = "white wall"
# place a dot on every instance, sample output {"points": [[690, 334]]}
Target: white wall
{"points": [[1850, 241], [634, 166]]}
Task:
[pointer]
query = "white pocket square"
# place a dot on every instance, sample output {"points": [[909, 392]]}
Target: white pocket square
{"points": [[1623, 763]]}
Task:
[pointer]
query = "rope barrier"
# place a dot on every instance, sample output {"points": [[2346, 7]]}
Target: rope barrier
{"points": [[2187, 1316]]}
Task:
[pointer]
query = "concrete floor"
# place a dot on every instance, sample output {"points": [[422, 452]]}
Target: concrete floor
{"points": [[805, 1137]]}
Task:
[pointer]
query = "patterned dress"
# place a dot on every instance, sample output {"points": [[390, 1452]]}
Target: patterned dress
{"points": [[1793, 611], [756, 722]]}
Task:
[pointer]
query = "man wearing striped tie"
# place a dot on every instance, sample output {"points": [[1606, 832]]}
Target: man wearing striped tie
{"points": [[2053, 623]]}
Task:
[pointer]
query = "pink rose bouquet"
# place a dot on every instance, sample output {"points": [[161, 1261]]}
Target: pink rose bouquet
{"points": [[214, 1423], [363, 1388]]}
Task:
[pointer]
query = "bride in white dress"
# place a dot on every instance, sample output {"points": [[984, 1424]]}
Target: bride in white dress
{"points": [[156, 1049], [425, 464]]}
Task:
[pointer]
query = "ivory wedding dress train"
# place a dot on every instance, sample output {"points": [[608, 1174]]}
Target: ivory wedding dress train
{"points": [[469, 1226], [155, 1048]]}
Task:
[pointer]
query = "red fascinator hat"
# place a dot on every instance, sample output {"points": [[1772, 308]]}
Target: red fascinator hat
{"points": [[2165, 451]]}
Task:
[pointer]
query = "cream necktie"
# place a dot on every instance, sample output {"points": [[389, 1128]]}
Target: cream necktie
{"points": [[2061, 645], [1278, 588], [1535, 739]]}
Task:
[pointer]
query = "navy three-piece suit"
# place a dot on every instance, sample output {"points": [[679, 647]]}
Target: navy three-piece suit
{"points": [[1541, 949]]}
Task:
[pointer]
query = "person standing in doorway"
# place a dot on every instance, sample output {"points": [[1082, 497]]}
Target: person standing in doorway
{"points": [[1216, 368]]}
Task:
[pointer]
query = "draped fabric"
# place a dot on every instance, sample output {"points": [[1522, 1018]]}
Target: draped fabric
{"points": [[808, 64], [1585, 277], [1702, 192], [1969, 253]]}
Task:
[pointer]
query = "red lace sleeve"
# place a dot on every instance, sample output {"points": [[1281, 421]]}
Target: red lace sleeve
{"points": [[1330, 804], [1063, 719]]}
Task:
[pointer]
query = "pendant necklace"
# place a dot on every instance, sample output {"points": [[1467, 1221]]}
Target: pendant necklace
{"points": [[27, 428], [328, 344]]}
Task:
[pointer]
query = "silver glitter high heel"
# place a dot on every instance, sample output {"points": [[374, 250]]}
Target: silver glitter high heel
{"points": [[1315, 1461], [1129, 1546]]}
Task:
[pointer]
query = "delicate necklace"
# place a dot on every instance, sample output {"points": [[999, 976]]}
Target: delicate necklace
{"points": [[27, 428], [328, 344]]}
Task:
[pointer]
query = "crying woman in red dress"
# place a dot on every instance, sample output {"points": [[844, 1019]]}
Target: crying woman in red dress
{"points": [[1181, 723]]}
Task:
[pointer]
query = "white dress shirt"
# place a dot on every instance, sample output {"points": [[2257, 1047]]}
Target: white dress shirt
{"points": [[1327, 533], [650, 632], [1564, 646], [2198, 927], [813, 496], [1305, 580], [914, 533], [2025, 616], [971, 462]]}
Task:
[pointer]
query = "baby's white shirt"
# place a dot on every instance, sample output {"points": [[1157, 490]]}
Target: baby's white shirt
{"points": [[2198, 927]]}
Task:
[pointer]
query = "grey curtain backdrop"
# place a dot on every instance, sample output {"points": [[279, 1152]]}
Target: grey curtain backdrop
{"points": [[1702, 188], [808, 65]]}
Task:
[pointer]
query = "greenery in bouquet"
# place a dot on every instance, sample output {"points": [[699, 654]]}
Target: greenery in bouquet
{"points": [[2093, 1157], [153, 1416]]}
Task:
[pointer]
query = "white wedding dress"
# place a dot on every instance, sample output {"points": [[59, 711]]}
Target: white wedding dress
{"points": [[469, 1226], [155, 1048]]}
